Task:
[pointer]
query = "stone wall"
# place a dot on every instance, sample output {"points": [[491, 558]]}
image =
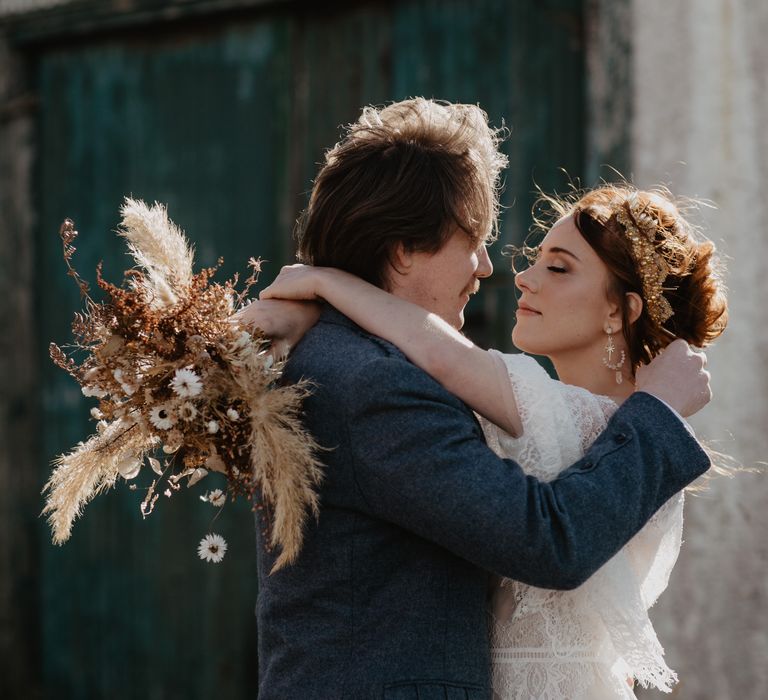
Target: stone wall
{"points": [[700, 126]]}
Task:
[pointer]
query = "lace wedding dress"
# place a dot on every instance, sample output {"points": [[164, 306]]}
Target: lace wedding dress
{"points": [[581, 644]]}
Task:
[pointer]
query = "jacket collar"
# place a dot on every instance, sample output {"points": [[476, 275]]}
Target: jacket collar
{"points": [[330, 314]]}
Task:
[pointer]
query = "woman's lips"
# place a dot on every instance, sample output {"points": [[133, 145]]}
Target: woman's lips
{"points": [[524, 310]]}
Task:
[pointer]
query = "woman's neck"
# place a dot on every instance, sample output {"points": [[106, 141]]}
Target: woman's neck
{"points": [[588, 372]]}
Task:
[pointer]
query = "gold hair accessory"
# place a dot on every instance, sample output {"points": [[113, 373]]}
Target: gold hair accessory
{"points": [[640, 227], [610, 348]]}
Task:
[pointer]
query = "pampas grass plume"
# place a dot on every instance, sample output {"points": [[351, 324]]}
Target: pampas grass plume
{"points": [[160, 248]]}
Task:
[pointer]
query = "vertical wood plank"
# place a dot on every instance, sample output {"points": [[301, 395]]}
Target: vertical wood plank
{"points": [[341, 62], [188, 121], [523, 64]]}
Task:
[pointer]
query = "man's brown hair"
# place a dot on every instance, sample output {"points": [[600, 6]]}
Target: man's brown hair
{"points": [[409, 173]]}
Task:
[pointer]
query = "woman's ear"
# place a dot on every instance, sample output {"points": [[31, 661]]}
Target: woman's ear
{"points": [[615, 317], [634, 306]]}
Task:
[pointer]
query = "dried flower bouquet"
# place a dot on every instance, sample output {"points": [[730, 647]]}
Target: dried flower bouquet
{"points": [[183, 388]]}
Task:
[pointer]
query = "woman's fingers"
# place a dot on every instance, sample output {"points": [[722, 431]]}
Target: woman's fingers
{"points": [[296, 282]]}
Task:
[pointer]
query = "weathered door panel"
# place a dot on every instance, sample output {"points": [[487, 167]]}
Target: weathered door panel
{"points": [[198, 122], [522, 62], [226, 125]]}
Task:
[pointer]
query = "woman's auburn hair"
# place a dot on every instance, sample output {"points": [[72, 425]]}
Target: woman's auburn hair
{"points": [[410, 173], [694, 286]]}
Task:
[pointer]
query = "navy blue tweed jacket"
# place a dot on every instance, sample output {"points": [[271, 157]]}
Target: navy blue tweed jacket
{"points": [[388, 597]]}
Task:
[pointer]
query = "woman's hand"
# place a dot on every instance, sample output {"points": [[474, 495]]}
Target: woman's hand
{"points": [[285, 322], [299, 282]]}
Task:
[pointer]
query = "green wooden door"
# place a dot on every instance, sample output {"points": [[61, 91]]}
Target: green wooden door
{"points": [[196, 121], [226, 123]]}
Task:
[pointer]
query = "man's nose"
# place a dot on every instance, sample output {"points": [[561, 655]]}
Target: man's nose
{"points": [[484, 264]]}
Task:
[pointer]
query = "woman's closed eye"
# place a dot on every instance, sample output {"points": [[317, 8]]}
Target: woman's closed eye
{"points": [[556, 268]]}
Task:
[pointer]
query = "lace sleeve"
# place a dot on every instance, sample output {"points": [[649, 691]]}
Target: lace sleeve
{"points": [[653, 551], [550, 440], [559, 423]]}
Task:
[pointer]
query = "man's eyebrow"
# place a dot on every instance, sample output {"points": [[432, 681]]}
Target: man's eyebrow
{"points": [[564, 251]]}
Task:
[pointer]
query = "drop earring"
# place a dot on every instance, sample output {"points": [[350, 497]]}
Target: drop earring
{"points": [[610, 349]]}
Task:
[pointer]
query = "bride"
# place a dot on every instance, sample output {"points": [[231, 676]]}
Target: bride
{"points": [[618, 276]]}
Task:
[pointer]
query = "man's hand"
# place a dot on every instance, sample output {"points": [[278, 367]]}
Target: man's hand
{"points": [[285, 322], [678, 377]]}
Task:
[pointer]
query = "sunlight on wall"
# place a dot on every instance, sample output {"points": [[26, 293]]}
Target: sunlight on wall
{"points": [[700, 110]]}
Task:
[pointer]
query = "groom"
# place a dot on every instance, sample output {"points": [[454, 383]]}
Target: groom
{"points": [[388, 597]]}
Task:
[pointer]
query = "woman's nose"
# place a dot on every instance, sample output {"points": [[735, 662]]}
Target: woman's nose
{"points": [[525, 281]]}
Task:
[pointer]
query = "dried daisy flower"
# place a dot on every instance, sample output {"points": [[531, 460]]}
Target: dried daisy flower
{"points": [[174, 375], [196, 344], [212, 548], [186, 383], [187, 411], [216, 498], [162, 417]]}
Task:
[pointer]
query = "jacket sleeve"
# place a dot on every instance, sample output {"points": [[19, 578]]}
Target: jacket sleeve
{"points": [[421, 462]]}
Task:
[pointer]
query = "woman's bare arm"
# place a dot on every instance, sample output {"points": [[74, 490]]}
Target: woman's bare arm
{"points": [[469, 372]]}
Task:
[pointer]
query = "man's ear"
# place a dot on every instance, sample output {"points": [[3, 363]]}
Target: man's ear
{"points": [[402, 259]]}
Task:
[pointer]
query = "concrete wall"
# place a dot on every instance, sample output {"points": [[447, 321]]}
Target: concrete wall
{"points": [[700, 125]]}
